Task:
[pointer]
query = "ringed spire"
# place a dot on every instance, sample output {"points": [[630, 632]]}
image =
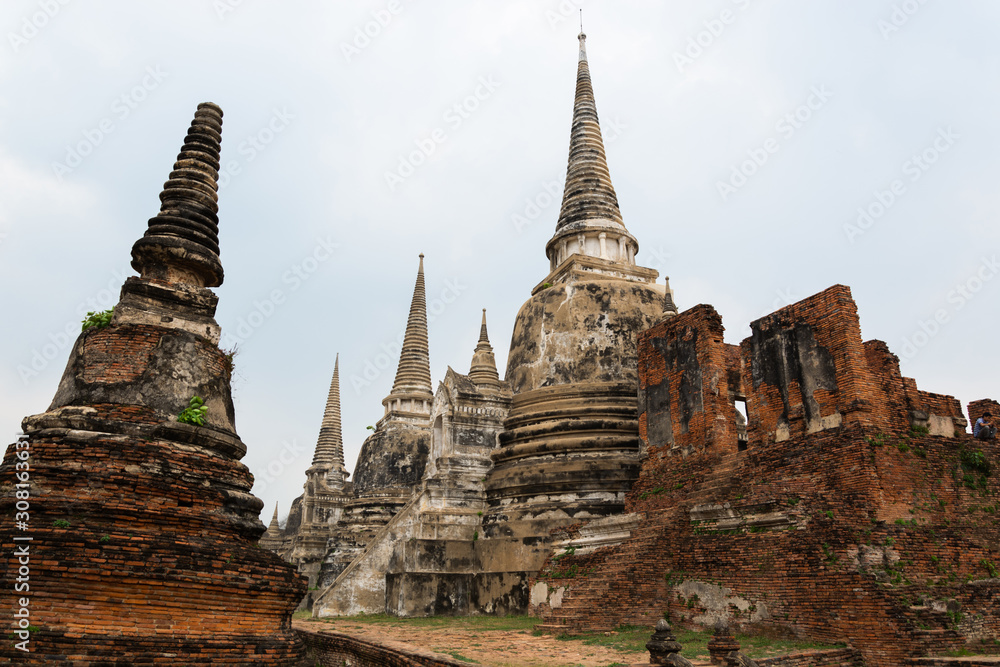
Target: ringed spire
{"points": [[330, 444], [411, 390], [590, 221]]}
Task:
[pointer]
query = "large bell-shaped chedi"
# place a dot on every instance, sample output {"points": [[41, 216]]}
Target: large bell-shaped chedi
{"points": [[570, 448], [141, 530]]}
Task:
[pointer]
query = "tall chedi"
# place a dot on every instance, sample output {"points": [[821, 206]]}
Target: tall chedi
{"points": [[143, 529], [570, 448], [326, 493], [435, 567], [388, 471], [392, 459]]}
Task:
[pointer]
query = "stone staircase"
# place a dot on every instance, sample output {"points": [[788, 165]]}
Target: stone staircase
{"points": [[576, 612], [931, 634], [717, 484]]}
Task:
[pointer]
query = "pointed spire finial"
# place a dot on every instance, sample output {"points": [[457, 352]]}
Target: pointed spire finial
{"points": [[330, 444], [411, 391], [669, 308], [273, 527], [484, 366], [483, 336], [590, 221]]}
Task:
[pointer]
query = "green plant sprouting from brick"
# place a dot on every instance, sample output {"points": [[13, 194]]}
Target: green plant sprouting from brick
{"points": [[194, 413], [97, 319]]}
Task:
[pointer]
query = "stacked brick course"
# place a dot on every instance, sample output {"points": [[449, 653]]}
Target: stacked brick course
{"points": [[334, 649], [141, 530], [858, 529]]}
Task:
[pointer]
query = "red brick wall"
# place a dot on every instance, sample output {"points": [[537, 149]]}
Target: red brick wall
{"points": [[685, 374], [143, 548], [774, 367], [977, 408], [838, 534]]}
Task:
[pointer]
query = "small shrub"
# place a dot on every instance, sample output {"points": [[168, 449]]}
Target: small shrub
{"points": [[475, 536], [919, 431], [60, 523], [228, 357], [97, 319], [990, 567], [974, 460], [194, 413], [104, 539], [876, 441]]}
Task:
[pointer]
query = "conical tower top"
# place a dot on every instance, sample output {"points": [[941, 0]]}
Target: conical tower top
{"points": [[484, 365], [590, 221], [411, 391], [273, 527], [181, 244], [330, 445]]}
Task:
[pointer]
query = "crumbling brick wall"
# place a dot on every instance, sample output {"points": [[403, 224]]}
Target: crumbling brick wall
{"points": [[982, 406], [805, 369], [853, 528], [686, 371]]}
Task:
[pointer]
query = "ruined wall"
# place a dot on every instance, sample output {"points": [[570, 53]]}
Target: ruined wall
{"points": [[856, 528], [685, 371], [906, 405], [977, 408], [788, 548], [806, 369]]}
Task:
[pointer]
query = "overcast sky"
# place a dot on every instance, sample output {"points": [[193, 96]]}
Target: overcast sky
{"points": [[762, 150]]}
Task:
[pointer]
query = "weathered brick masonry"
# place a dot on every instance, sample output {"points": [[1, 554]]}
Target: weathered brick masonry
{"points": [[335, 649], [143, 532], [859, 512]]}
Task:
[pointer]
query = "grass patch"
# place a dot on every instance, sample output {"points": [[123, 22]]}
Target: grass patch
{"points": [[766, 647], [477, 623], [627, 639], [457, 655]]}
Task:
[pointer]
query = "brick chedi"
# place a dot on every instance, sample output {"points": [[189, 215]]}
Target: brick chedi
{"points": [[570, 446], [143, 528], [859, 510]]}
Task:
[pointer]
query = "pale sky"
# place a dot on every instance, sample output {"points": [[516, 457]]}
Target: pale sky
{"points": [[762, 150]]}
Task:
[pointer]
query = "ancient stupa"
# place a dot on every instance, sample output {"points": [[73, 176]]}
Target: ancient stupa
{"points": [[570, 448], [393, 458], [143, 529]]}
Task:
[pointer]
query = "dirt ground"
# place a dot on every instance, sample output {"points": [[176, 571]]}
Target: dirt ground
{"points": [[494, 648]]}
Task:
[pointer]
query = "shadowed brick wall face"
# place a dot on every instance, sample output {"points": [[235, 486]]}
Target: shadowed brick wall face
{"points": [[685, 373], [861, 530]]}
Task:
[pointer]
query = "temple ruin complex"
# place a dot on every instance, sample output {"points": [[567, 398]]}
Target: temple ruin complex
{"points": [[630, 467]]}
